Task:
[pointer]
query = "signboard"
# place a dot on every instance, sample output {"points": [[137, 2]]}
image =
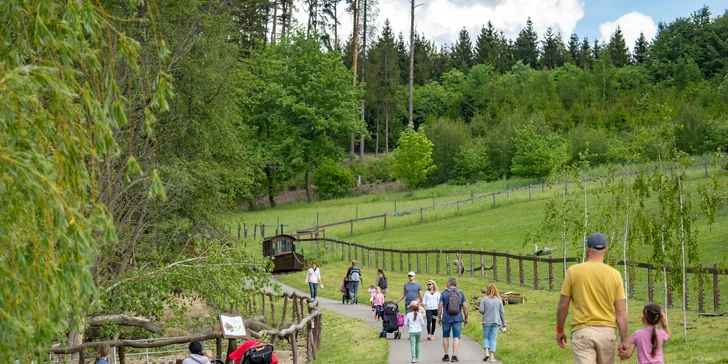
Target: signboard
{"points": [[232, 326]]}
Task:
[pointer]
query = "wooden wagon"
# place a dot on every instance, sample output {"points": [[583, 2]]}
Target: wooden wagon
{"points": [[282, 251]]}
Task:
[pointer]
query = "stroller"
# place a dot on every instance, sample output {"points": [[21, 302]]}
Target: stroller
{"points": [[346, 297], [390, 311]]}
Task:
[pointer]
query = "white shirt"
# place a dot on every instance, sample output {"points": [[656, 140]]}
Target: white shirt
{"points": [[313, 276], [431, 300], [412, 324]]}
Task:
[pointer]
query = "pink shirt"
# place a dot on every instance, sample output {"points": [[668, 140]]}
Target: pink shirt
{"points": [[642, 339], [378, 299]]}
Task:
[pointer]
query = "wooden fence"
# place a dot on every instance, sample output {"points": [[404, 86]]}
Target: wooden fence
{"points": [[538, 271], [305, 317]]}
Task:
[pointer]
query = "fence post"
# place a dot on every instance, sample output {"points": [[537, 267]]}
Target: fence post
{"points": [[495, 267], [520, 268], [422, 216], [122, 355], [391, 256], [706, 175], [369, 257], [427, 261], [262, 230], [535, 273], [437, 261], [700, 290], [508, 267], [460, 262], [349, 244], [716, 295], [255, 230], [418, 260], [458, 203], [409, 260], [376, 258], [447, 264], [551, 274], [493, 199], [245, 230], [239, 227], [472, 269], [401, 264], [482, 264], [530, 194], [351, 227], [385, 221], [650, 287], [356, 254], [384, 260]]}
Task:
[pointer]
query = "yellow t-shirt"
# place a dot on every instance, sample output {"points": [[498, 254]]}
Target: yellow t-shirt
{"points": [[593, 288]]}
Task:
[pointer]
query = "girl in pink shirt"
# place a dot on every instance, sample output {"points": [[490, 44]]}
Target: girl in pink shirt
{"points": [[648, 340], [378, 302]]}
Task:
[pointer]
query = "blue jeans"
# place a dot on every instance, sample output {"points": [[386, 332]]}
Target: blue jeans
{"points": [[353, 290], [455, 326], [313, 287], [490, 336]]}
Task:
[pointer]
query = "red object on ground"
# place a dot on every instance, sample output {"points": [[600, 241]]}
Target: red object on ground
{"points": [[237, 355]]}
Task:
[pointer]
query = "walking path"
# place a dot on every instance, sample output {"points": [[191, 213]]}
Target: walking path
{"points": [[399, 350]]}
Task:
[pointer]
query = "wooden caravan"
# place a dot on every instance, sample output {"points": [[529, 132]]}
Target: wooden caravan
{"points": [[282, 250]]}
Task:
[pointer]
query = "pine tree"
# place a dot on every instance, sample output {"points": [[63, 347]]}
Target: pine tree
{"points": [[641, 47], [553, 50], [574, 51], [597, 50], [462, 52], [526, 48], [586, 59], [485, 45], [617, 50], [382, 80]]}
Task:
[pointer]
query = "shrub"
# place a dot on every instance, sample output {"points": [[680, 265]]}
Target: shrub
{"points": [[472, 164], [537, 155], [332, 180]]}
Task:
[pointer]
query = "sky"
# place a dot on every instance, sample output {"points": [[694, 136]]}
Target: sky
{"points": [[442, 20]]}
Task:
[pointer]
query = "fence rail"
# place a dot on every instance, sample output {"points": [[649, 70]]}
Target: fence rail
{"points": [[473, 262]]}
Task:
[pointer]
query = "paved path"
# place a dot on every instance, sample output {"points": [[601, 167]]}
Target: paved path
{"points": [[399, 350]]}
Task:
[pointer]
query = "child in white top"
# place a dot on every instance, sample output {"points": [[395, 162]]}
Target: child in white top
{"points": [[414, 323], [372, 291]]}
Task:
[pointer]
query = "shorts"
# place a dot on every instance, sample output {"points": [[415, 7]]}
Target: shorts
{"points": [[454, 326], [594, 344]]}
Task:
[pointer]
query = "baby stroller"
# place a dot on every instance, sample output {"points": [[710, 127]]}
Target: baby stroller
{"points": [[346, 297], [390, 310]]}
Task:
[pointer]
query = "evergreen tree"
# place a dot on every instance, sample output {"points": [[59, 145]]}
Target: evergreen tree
{"points": [[403, 59], [641, 47], [553, 50], [574, 51], [383, 76], [597, 50], [486, 44], [586, 59], [442, 62], [617, 50], [526, 48], [462, 52]]}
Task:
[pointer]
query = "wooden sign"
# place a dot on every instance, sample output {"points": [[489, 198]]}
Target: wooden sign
{"points": [[232, 326]]}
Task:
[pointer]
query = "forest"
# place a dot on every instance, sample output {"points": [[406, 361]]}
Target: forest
{"points": [[127, 124]]}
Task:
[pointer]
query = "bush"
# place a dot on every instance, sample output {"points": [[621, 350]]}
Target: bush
{"points": [[537, 155], [447, 136], [332, 180], [371, 170], [472, 164]]}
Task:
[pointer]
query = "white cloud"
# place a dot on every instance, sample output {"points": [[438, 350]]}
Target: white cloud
{"points": [[442, 20], [631, 25]]}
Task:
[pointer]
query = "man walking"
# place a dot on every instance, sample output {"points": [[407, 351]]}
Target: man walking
{"points": [[353, 275], [599, 307], [453, 313], [412, 290]]}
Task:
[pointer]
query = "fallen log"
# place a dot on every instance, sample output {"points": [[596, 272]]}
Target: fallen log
{"points": [[124, 320]]}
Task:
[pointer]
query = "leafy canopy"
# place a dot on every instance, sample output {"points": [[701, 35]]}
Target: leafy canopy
{"points": [[412, 158]]}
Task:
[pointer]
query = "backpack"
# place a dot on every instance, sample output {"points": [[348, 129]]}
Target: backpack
{"points": [[453, 302], [383, 283], [260, 354], [355, 274]]}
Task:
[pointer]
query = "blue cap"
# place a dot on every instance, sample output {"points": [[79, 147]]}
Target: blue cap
{"points": [[596, 241]]}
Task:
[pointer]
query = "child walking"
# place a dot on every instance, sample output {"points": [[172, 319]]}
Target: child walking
{"points": [[648, 340], [414, 323], [378, 302], [372, 291]]}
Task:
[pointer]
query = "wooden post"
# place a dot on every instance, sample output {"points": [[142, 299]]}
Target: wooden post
{"points": [[385, 221], [409, 260], [482, 264], [447, 264], [376, 258], [401, 264], [356, 254], [255, 230], [342, 251], [437, 261], [716, 295], [122, 355], [530, 193], [391, 258], [285, 308], [493, 199], [239, 231], [460, 262], [458, 203], [369, 257], [535, 273], [272, 313], [427, 261], [417, 254], [245, 230], [700, 290], [650, 287], [218, 347], [551, 274], [232, 345], [706, 176], [520, 268], [349, 244], [472, 269], [495, 267], [508, 267], [422, 216], [294, 350], [351, 227]]}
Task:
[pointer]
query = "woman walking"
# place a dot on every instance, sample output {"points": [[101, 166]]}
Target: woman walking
{"points": [[313, 278], [431, 300], [491, 306], [381, 282]]}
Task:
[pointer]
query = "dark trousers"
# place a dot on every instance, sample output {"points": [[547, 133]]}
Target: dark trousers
{"points": [[431, 321]]}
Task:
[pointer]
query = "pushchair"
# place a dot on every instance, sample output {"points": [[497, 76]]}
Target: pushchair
{"points": [[390, 310], [345, 297]]}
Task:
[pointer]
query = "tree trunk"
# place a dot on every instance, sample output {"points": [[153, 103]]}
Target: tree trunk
{"points": [[412, 59], [386, 103], [355, 55], [309, 192], [269, 177], [124, 320], [336, 26], [363, 79], [275, 22], [284, 14], [376, 143]]}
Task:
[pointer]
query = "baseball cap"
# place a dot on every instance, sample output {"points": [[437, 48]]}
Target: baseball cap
{"points": [[596, 241], [411, 274]]}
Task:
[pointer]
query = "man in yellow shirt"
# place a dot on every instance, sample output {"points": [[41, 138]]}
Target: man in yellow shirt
{"points": [[597, 292]]}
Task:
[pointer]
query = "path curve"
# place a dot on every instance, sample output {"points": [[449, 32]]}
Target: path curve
{"points": [[399, 350]]}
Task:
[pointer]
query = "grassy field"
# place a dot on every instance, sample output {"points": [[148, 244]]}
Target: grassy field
{"points": [[531, 336], [345, 337]]}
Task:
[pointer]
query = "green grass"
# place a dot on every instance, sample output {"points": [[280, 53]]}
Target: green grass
{"points": [[345, 338], [531, 335]]}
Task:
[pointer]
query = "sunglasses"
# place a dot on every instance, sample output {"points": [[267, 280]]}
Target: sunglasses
{"points": [[429, 284]]}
